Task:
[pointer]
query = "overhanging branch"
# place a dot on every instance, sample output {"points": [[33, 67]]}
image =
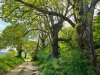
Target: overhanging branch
{"points": [[30, 31], [34, 29], [47, 12]]}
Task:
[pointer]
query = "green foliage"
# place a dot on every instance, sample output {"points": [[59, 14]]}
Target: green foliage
{"points": [[12, 52], [8, 62], [1, 41], [69, 33], [29, 46], [96, 31], [75, 61], [71, 62], [13, 34], [96, 36], [44, 55]]}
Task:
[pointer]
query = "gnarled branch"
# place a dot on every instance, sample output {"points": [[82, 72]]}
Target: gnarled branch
{"points": [[48, 12]]}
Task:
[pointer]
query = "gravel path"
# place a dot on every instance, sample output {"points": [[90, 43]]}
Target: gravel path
{"points": [[24, 69]]}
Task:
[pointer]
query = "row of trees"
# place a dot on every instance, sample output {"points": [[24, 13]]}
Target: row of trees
{"points": [[46, 17], [12, 36]]}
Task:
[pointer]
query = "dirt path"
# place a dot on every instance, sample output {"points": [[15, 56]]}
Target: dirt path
{"points": [[25, 69]]}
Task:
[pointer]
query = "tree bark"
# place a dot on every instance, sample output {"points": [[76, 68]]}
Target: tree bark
{"points": [[19, 50], [87, 43], [56, 27], [84, 31], [55, 47], [25, 54], [43, 43]]}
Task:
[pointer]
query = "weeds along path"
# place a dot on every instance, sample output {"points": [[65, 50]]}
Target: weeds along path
{"points": [[25, 69]]}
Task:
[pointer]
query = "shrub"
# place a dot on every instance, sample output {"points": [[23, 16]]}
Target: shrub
{"points": [[7, 63], [71, 62], [44, 55]]}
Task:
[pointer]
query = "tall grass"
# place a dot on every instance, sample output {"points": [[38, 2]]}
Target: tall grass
{"points": [[7, 63]]}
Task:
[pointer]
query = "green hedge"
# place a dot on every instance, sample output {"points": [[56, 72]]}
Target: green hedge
{"points": [[7, 63]]}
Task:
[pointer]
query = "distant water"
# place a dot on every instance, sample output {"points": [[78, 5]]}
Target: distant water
{"points": [[3, 52]]}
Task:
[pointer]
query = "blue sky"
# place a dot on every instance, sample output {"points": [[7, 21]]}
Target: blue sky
{"points": [[3, 25]]}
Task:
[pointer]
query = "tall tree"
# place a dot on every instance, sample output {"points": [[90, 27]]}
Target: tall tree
{"points": [[84, 18], [13, 36]]}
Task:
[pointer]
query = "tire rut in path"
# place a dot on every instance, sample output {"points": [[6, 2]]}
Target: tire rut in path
{"points": [[25, 69]]}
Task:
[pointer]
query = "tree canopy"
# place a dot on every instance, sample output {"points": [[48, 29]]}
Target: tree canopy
{"points": [[38, 28]]}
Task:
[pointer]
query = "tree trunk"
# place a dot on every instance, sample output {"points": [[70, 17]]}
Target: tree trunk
{"points": [[86, 40], [34, 57], [55, 28], [84, 31], [43, 43], [25, 54], [19, 54], [19, 50], [55, 47]]}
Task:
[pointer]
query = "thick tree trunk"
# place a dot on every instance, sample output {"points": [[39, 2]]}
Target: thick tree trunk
{"points": [[89, 46], [56, 27], [55, 47], [86, 40], [84, 30]]}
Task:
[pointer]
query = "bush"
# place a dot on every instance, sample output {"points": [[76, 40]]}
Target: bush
{"points": [[71, 62], [7, 63], [74, 62], [44, 55]]}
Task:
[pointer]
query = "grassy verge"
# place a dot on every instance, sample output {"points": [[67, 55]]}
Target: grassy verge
{"points": [[7, 63]]}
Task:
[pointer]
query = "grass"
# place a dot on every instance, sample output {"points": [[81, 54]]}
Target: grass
{"points": [[2, 55], [7, 63]]}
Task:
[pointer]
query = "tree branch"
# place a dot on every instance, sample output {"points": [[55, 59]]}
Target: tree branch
{"points": [[30, 31], [93, 4], [48, 12], [34, 29], [63, 39]]}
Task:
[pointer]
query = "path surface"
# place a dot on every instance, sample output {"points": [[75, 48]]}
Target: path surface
{"points": [[24, 69]]}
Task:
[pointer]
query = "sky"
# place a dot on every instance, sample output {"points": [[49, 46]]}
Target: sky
{"points": [[3, 25]]}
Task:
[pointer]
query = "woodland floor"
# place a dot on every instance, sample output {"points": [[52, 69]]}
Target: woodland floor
{"points": [[27, 68]]}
